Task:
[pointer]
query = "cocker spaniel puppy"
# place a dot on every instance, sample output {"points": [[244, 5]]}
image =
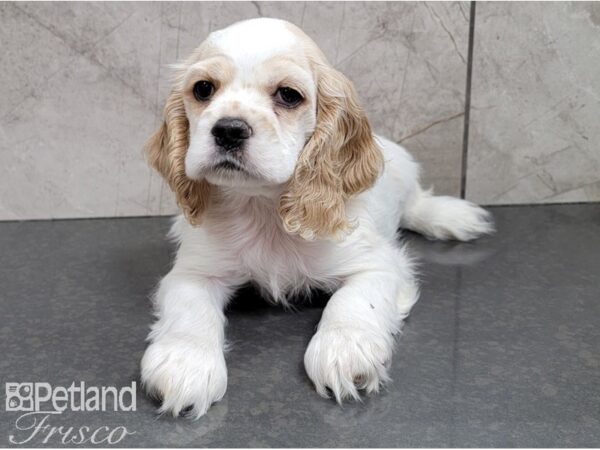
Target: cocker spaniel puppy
{"points": [[283, 183]]}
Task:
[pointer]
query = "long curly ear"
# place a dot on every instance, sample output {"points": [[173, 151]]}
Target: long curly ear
{"points": [[166, 151], [340, 160]]}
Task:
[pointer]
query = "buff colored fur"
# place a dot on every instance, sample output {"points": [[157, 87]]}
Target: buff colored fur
{"points": [[166, 151]]}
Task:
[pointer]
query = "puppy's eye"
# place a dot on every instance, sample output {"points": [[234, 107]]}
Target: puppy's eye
{"points": [[203, 90], [288, 97]]}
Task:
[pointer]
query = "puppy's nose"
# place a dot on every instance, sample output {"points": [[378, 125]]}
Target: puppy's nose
{"points": [[231, 132]]}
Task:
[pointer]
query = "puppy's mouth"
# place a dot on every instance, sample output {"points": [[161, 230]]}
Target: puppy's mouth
{"points": [[228, 165], [229, 171]]}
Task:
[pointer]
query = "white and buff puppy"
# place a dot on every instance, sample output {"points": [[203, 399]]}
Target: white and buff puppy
{"points": [[283, 183]]}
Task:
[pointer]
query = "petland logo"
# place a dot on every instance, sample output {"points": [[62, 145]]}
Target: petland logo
{"points": [[38, 401]]}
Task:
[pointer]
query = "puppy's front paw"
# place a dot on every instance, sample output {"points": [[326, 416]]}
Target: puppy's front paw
{"points": [[185, 372], [346, 359]]}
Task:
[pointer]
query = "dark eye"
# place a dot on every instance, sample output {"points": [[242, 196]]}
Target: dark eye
{"points": [[288, 97], [203, 90]]}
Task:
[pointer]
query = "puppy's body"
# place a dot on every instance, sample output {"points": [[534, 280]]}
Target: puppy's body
{"points": [[242, 238], [330, 224]]}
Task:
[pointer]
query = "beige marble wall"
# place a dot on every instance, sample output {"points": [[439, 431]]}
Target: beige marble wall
{"points": [[82, 86], [78, 88], [535, 103]]}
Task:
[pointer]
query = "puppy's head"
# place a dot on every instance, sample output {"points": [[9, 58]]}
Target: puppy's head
{"points": [[258, 106]]}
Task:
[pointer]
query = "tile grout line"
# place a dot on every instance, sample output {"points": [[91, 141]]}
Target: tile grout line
{"points": [[465, 147]]}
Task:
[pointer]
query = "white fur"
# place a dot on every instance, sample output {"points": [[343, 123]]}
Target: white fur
{"points": [[242, 239]]}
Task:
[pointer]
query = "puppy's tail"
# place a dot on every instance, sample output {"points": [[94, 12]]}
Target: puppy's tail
{"points": [[442, 217]]}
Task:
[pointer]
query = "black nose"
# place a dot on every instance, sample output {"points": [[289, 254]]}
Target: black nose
{"points": [[230, 132]]}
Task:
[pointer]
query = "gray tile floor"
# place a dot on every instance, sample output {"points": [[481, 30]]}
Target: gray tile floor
{"points": [[503, 348]]}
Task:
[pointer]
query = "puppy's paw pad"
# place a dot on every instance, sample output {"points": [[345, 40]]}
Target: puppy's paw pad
{"points": [[346, 360], [186, 374]]}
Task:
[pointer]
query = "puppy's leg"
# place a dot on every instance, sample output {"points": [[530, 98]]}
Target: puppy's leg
{"points": [[184, 364], [354, 341]]}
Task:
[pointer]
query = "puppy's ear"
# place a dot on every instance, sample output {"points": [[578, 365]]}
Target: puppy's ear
{"points": [[340, 160], [166, 151]]}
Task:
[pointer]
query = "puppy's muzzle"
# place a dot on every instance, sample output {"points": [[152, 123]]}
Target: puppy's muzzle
{"points": [[230, 133]]}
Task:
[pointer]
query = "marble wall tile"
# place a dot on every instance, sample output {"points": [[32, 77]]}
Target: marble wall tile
{"points": [[534, 129], [81, 101], [83, 86]]}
